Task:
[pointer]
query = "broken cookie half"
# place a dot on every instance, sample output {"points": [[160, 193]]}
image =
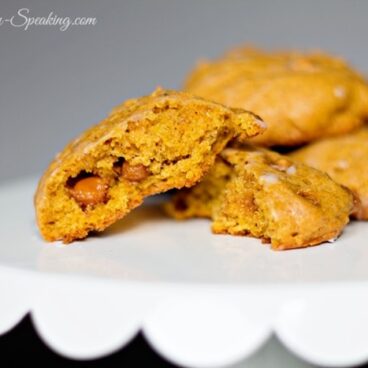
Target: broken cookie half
{"points": [[145, 146], [256, 192]]}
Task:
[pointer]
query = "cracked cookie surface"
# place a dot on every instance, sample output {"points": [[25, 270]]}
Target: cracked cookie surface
{"points": [[344, 159], [145, 146], [301, 96], [256, 192]]}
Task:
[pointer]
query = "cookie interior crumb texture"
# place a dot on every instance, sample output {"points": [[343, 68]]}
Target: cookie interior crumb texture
{"points": [[302, 96], [255, 192], [145, 146]]}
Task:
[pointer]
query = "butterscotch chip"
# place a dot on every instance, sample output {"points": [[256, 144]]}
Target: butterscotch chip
{"points": [[245, 193], [89, 191], [145, 146], [344, 159], [302, 96], [134, 172]]}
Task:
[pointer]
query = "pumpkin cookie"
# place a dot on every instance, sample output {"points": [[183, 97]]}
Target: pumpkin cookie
{"points": [[344, 159], [302, 96], [260, 193], [145, 146]]}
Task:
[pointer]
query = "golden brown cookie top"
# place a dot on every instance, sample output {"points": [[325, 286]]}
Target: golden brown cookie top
{"points": [[294, 60], [344, 159], [302, 96]]}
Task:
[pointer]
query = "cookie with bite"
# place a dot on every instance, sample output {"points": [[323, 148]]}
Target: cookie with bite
{"points": [[145, 146]]}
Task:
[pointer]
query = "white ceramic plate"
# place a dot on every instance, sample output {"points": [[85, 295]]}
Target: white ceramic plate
{"points": [[202, 300]]}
